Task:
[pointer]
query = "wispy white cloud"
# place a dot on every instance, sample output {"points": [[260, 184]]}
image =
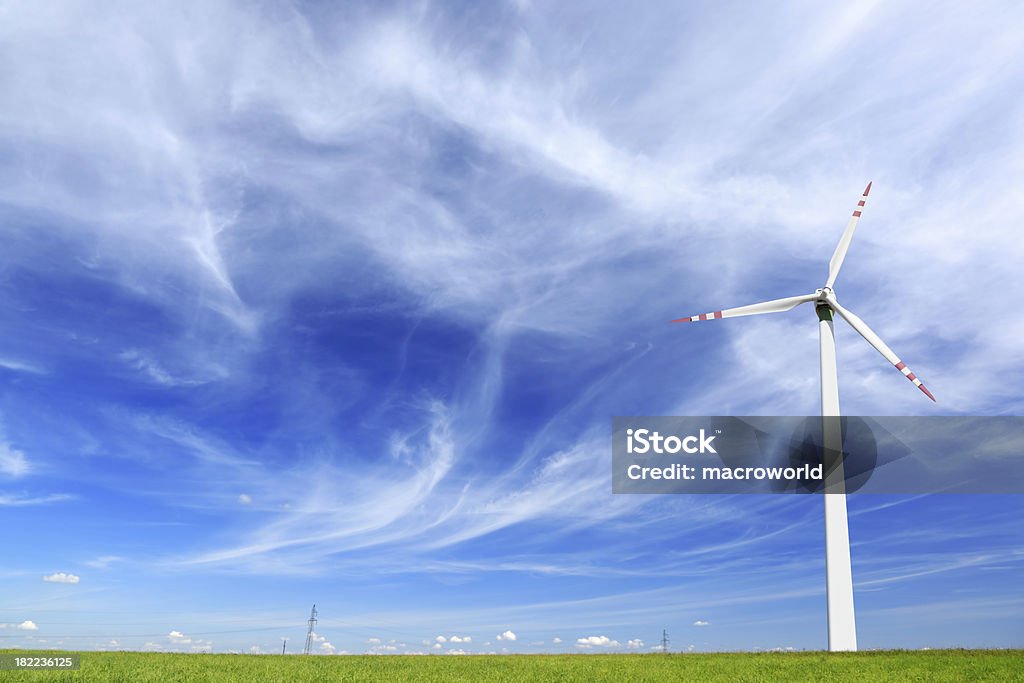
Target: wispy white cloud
{"points": [[21, 366], [103, 561], [62, 577], [156, 372], [13, 462], [22, 500]]}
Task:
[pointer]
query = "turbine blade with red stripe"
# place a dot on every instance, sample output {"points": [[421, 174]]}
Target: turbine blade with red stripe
{"points": [[876, 341], [775, 306], [844, 242]]}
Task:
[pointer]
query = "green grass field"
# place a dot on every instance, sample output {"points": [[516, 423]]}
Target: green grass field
{"points": [[932, 665]]}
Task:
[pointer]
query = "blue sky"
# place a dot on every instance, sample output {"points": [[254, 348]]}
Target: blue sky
{"points": [[334, 303]]}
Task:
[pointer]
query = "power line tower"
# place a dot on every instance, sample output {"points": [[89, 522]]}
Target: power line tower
{"points": [[664, 640], [284, 644], [309, 633]]}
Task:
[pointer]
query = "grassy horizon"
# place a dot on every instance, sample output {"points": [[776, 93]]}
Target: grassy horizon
{"points": [[910, 665]]}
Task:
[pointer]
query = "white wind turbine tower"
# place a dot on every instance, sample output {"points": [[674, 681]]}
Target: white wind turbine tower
{"points": [[842, 628]]}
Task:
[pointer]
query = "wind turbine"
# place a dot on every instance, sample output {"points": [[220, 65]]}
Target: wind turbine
{"points": [[842, 627]]}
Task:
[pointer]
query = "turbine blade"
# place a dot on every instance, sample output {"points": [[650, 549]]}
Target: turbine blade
{"points": [[844, 242], [775, 306], [876, 341]]}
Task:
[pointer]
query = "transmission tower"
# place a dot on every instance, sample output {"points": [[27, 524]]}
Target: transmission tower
{"points": [[664, 640], [309, 633], [284, 645]]}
